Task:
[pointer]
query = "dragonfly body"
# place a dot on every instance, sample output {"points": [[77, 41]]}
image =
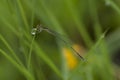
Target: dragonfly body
{"points": [[40, 28]]}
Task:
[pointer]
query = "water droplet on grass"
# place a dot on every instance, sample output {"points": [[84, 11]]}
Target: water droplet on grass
{"points": [[33, 32]]}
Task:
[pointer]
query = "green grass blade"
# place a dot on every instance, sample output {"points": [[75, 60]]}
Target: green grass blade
{"points": [[23, 14], [30, 53], [47, 60], [113, 5], [20, 68], [11, 50], [78, 22]]}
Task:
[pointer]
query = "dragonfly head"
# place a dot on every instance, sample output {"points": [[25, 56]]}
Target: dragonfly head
{"points": [[37, 30]]}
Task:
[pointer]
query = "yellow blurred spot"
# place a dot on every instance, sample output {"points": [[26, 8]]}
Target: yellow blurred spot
{"points": [[71, 59]]}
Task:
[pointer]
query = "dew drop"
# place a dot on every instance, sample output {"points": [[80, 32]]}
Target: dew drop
{"points": [[33, 32]]}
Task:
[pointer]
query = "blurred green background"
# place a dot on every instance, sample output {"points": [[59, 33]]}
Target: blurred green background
{"points": [[92, 25]]}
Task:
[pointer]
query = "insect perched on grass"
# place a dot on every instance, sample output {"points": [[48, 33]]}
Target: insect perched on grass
{"points": [[39, 28]]}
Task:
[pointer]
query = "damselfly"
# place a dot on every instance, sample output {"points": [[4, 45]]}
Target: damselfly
{"points": [[39, 28]]}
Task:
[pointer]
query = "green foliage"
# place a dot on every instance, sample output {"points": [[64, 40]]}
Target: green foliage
{"points": [[92, 23]]}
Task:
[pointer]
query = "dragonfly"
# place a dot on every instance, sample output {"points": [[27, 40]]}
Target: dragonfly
{"points": [[39, 28]]}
